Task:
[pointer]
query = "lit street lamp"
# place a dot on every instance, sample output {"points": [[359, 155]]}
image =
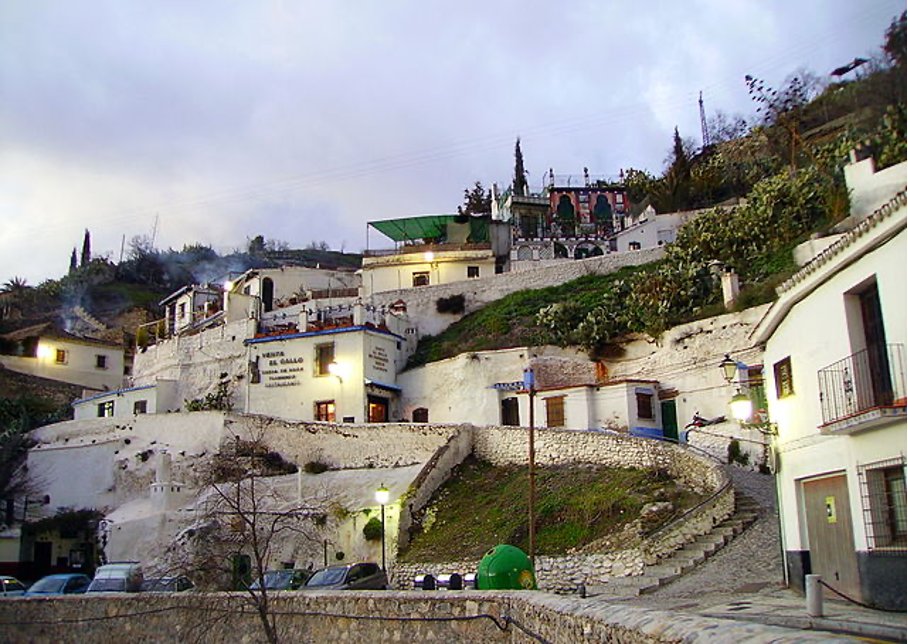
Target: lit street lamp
{"points": [[382, 496]]}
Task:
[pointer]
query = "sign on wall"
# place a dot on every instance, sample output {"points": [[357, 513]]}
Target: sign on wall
{"points": [[280, 368]]}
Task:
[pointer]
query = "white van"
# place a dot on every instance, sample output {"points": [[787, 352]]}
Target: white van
{"points": [[120, 577]]}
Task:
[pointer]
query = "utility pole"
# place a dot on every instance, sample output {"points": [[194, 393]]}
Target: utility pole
{"points": [[154, 231], [529, 383], [704, 131]]}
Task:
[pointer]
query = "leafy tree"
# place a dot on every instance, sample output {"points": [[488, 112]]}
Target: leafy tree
{"points": [[476, 200], [256, 245], [520, 178], [895, 46]]}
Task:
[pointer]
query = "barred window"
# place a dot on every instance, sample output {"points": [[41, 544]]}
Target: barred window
{"points": [[883, 503]]}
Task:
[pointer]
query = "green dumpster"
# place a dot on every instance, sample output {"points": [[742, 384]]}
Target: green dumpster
{"points": [[505, 568]]}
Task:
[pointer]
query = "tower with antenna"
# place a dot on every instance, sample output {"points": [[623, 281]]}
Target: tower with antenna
{"points": [[704, 132]]}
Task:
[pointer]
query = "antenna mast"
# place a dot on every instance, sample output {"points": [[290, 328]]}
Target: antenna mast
{"points": [[704, 132], [154, 231]]}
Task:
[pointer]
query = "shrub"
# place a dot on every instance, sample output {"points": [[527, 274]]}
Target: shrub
{"points": [[316, 467], [372, 531], [453, 304]]}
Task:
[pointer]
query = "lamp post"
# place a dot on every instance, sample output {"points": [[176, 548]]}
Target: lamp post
{"points": [[382, 496], [529, 383]]}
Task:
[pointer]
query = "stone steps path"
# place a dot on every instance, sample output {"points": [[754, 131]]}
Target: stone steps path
{"points": [[687, 558]]}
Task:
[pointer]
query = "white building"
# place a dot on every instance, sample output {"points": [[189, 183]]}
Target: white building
{"points": [[158, 398], [435, 249], [650, 229], [48, 352], [190, 306], [285, 286], [343, 374], [835, 366]]}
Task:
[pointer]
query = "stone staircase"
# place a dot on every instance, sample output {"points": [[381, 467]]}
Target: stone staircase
{"points": [[687, 558]]}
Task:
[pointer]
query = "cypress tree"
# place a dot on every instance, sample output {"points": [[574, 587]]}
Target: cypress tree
{"points": [[73, 261], [520, 178], [86, 249]]}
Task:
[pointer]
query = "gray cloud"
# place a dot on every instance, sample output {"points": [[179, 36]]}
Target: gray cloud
{"points": [[302, 121]]}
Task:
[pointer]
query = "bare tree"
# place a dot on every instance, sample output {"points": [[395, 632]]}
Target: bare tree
{"points": [[246, 516]]}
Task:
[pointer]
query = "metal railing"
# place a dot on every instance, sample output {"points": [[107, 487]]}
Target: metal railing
{"points": [[866, 380], [424, 248]]}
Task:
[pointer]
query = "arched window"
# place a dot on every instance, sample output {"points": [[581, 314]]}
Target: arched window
{"points": [[421, 415]]}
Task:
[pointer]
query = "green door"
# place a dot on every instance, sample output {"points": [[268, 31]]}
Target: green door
{"points": [[669, 420]]}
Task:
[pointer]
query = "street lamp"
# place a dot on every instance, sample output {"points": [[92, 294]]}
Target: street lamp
{"points": [[382, 496], [529, 384], [741, 406], [729, 368]]}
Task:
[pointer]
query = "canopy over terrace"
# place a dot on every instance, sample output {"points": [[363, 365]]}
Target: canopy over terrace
{"points": [[432, 228]]}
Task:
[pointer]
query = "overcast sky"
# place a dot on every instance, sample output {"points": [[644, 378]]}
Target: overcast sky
{"points": [[303, 120]]}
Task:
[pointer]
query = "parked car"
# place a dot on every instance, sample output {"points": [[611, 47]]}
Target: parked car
{"points": [[167, 584], [11, 587], [290, 579], [123, 577], [62, 584], [356, 576]]}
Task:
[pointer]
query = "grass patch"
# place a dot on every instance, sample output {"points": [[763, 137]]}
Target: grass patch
{"points": [[483, 505], [511, 321]]}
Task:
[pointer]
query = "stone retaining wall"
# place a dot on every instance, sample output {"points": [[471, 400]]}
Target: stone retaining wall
{"points": [[454, 617], [421, 302], [509, 445]]}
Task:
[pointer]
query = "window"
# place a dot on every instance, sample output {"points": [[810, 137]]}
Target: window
{"points": [[472, 271], [883, 503], [421, 278], [781, 372], [421, 415], [324, 410], [140, 407], [324, 356], [61, 356], [554, 412], [645, 405], [633, 246], [182, 309], [100, 362], [106, 409], [510, 412]]}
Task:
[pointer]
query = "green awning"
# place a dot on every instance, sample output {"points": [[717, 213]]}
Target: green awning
{"points": [[414, 228], [431, 227]]}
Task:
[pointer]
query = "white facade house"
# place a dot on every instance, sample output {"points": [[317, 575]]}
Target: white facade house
{"points": [[436, 249], [48, 352], [650, 229], [345, 374], [287, 285], [158, 398], [835, 367], [190, 306]]}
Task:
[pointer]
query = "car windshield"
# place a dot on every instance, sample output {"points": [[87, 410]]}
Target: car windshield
{"points": [[102, 585], [274, 580], [328, 577], [160, 584], [48, 585]]}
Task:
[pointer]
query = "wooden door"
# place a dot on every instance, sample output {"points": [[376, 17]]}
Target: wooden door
{"points": [[669, 420], [830, 535]]}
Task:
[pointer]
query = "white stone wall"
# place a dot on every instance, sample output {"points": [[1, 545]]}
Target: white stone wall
{"points": [[197, 361], [105, 462], [395, 272]]}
